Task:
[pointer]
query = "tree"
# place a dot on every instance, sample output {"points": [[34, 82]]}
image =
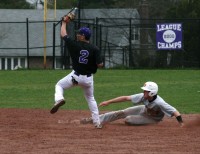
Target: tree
{"points": [[12, 4], [190, 10], [185, 9]]}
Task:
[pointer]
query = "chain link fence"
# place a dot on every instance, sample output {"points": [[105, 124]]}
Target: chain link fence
{"points": [[124, 43], [131, 43]]}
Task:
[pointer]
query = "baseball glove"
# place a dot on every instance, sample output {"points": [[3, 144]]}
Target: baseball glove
{"points": [[71, 15]]}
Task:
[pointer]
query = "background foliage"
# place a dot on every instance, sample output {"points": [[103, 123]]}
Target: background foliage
{"points": [[188, 9], [13, 4], [157, 9]]}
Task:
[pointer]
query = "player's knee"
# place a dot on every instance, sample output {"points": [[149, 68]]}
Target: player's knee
{"points": [[129, 120]]}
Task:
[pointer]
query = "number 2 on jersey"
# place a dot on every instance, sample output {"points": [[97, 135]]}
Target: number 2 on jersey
{"points": [[83, 58]]}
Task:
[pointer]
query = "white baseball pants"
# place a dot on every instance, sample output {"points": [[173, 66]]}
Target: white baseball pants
{"points": [[87, 84]]}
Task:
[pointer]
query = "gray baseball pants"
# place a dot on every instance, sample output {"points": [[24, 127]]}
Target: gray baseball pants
{"points": [[133, 115]]}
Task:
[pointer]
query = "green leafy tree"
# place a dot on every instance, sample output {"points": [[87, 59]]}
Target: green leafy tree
{"points": [[63, 4], [190, 11], [185, 9], [13, 4]]}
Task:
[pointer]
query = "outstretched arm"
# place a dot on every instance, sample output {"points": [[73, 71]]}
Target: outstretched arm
{"points": [[116, 100]]}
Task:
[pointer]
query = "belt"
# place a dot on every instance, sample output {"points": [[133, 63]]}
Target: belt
{"points": [[88, 75]]}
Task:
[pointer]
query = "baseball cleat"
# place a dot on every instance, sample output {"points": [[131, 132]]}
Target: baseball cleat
{"points": [[99, 126], [57, 106], [86, 121]]}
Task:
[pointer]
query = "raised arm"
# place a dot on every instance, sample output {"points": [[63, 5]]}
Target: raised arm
{"points": [[116, 100], [63, 30]]}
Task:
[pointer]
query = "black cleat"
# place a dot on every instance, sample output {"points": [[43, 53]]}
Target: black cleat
{"points": [[57, 106]]}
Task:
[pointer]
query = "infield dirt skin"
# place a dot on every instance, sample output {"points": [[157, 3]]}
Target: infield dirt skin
{"points": [[36, 131]]}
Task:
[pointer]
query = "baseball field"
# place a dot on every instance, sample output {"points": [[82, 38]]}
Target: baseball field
{"points": [[27, 127]]}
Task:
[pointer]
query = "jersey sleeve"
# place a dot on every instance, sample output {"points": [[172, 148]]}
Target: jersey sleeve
{"points": [[137, 98], [66, 38], [166, 108], [69, 42]]}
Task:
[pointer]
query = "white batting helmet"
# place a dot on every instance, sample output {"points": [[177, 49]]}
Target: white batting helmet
{"points": [[152, 87]]}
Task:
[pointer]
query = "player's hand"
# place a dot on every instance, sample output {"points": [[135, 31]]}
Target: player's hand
{"points": [[66, 19], [103, 103], [182, 124]]}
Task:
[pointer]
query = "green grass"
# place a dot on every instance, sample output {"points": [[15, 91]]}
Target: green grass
{"points": [[35, 88]]}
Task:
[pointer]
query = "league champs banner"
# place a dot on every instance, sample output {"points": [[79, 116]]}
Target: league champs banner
{"points": [[169, 36]]}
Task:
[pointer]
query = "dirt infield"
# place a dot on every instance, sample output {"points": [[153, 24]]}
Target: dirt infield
{"points": [[35, 131]]}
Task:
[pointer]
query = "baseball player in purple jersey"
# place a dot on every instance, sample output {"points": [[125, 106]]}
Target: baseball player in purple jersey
{"points": [[86, 59], [151, 111]]}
